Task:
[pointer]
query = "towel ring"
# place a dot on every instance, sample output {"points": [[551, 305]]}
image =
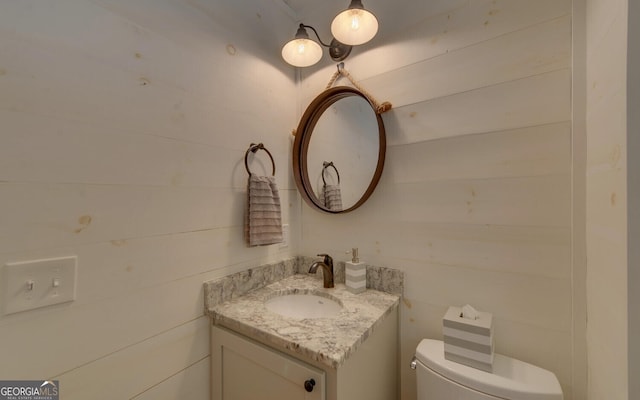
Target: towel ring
{"points": [[325, 165], [253, 148]]}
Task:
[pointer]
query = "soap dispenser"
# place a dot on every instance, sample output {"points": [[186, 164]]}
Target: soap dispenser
{"points": [[355, 273]]}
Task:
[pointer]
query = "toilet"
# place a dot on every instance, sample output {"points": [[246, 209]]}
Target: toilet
{"points": [[440, 379]]}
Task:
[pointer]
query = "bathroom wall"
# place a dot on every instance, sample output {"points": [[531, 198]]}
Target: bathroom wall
{"points": [[124, 127], [474, 204], [633, 197], [606, 195]]}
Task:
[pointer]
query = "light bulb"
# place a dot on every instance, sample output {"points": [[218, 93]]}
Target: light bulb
{"points": [[355, 22]]}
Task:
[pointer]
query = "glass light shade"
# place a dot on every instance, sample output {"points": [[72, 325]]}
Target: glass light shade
{"points": [[354, 26], [301, 52]]}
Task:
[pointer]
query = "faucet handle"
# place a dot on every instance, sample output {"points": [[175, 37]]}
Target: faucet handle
{"points": [[327, 259]]}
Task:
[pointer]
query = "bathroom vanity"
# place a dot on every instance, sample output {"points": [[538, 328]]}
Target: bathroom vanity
{"points": [[261, 352]]}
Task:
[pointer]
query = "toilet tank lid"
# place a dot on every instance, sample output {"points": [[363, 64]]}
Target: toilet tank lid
{"points": [[511, 378]]}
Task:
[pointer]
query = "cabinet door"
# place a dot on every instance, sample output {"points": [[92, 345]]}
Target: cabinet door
{"points": [[246, 370]]}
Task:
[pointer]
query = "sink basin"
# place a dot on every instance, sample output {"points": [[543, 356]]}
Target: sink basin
{"points": [[301, 306]]}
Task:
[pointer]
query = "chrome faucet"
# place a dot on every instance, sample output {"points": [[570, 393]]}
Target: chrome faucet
{"points": [[327, 269]]}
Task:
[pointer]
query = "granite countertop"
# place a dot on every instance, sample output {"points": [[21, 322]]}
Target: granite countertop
{"points": [[329, 341]]}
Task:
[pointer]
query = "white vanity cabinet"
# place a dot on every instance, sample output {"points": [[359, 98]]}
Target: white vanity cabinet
{"points": [[243, 369]]}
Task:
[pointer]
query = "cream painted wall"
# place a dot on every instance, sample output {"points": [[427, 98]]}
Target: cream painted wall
{"points": [[124, 127], [475, 201], [606, 229]]}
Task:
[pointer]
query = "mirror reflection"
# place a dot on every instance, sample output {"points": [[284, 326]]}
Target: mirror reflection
{"points": [[346, 137]]}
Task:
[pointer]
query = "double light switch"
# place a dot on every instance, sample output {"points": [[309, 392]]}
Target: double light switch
{"points": [[39, 283]]}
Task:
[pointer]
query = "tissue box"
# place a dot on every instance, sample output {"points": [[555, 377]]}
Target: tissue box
{"points": [[468, 341]]}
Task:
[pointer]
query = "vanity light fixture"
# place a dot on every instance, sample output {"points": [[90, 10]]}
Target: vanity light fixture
{"points": [[353, 26]]}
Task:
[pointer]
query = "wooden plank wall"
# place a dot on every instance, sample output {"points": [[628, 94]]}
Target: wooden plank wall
{"points": [[123, 131], [633, 197], [475, 200], [606, 221]]}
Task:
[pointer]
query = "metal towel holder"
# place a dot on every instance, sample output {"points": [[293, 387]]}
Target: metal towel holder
{"points": [[326, 165], [253, 148]]}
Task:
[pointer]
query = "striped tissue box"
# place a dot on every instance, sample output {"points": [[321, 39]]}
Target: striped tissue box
{"points": [[468, 341]]}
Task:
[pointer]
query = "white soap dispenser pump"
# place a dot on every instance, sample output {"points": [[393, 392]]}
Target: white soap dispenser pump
{"points": [[355, 273]]}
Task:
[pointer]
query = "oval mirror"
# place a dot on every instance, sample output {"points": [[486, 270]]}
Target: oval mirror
{"points": [[339, 150]]}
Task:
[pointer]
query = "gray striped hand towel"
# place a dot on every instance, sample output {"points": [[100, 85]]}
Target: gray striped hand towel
{"points": [[263, 221], [331, 197]]}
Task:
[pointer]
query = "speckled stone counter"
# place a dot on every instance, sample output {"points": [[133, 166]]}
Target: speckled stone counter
{"points": [[329, 341]]}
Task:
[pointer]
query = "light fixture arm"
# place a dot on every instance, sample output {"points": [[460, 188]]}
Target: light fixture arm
{"points": [[316, 32], [337, 51]]}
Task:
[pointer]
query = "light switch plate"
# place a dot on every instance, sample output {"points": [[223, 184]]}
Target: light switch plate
{"points": [[39, 283]]}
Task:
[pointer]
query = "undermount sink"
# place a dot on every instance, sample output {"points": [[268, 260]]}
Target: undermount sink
{"points": [[304, 305]]}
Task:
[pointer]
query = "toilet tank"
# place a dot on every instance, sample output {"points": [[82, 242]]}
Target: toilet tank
{"points": [[440, 379]]}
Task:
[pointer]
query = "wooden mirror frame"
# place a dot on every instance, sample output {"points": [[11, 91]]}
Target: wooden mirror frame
{"points": [[303, 136]]}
